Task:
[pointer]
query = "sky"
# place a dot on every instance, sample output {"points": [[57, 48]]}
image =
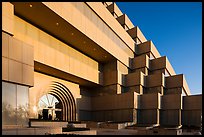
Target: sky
{"points": [[175, 28]]}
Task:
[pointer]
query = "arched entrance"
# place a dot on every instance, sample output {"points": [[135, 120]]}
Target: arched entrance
{"points": [[57, 104]]}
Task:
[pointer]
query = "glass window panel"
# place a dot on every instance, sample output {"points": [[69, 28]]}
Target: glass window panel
{"points": [[8, 103], [22, 105]]}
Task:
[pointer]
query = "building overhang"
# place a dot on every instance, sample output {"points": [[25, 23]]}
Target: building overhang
{"points": [[47, 20], [51, 71]]}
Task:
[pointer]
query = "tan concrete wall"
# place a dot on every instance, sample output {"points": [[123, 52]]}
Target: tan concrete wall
{"points": [[17, 61], [108, 90], [192, 117], [113, 73], [163, 70], [138, 89], [170, 117], [148, 116], [161, 62], [110, 77], [150, 101], [122, 71], [124, 115], [140, 62], [98, 32], [122, 68], [178, 90], [155, 80], [171, 101], [177, 81], [7, 17], [158, 89], [84, 106], [192, 102], [158, 63], [17, 56], [58, 54], [133, 79], [84, 103], [171, 107], [147, 47], [143, 70], [117, 101]]}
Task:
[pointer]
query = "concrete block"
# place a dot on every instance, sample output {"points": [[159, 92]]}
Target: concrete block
{"points": [[110, 77], [144, 70], [174, 81], [148, 116], [171, 101], [178, 90], [155, 80], [170, 117], [147, 47], [5, 68], [124, 20], [5, 44], [110, 66], [15, 49], [136, 33], [138, 89], [158, 89], [140, 62], [15, 71], [150, 101], [163, 70], [192, 118], [192, 102], [133, 79], [114, 10], [158, 63], [85, 115]]}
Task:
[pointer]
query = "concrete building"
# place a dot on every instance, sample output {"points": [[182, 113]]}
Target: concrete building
{"points": [[86, 62]]}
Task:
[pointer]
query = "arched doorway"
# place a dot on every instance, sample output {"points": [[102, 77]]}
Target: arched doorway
{"points": [[49, 108], [57, 104]]}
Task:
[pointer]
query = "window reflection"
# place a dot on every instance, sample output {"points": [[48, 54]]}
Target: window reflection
{"points": [[14, 104], [8, 103], [22, 105]]}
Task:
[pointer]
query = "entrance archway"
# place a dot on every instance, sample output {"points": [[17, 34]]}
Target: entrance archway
{"points": [[58, 102]]}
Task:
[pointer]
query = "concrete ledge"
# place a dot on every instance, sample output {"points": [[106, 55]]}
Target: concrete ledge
{"points": [[124, 20], [114, 10], [32, 131], [177, 81], [192, 102], [155, 80], [161, 63], [147, 47], [150, 101], [134, 79], [140, 62], [137, 33]]}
